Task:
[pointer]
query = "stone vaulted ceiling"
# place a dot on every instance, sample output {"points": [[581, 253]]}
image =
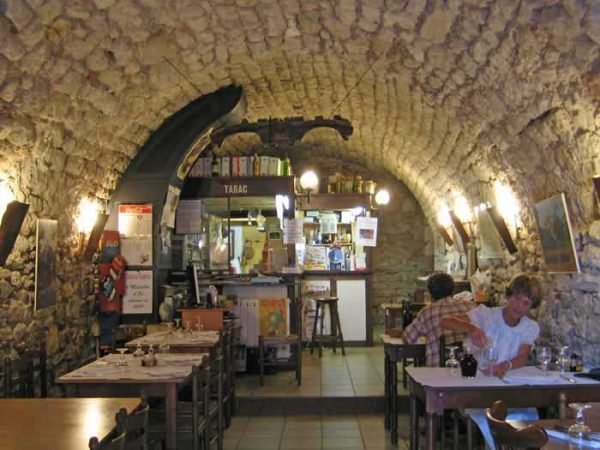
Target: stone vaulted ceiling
{"points": [[442, 94]]}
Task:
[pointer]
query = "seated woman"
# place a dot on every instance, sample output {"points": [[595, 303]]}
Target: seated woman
{"points": [[507, 328]]}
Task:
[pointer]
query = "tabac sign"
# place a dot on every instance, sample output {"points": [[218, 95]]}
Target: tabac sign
{"points": [[236, 186]]}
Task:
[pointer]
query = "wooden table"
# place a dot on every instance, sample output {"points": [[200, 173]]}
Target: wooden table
{"points": [[179, 341], [438, 390], [104, 378], [60, 423], [550, 425], [395, 351]]}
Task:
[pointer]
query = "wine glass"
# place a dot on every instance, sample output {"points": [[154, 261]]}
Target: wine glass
{"points": [[122, 361], [564, 360], [164, 347], [544, 355], [490, 356], [578, 432], [452, 363]]}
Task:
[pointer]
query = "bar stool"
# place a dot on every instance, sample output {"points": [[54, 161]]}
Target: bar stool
{"points": [[335, 334]]}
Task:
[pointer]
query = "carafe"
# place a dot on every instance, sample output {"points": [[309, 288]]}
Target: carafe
{"points": [[468, 365]]}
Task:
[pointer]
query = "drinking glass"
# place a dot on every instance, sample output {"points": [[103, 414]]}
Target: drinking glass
{"points": [[578, 432], [122, 361], [563, 360], [490, 356], [187, 326], [177, 323], [164, 348], [452, 363], [544, 355], [169, 328]]}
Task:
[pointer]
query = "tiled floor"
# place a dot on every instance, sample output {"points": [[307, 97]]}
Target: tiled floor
{"points": [[313, 432], [358, 374]]}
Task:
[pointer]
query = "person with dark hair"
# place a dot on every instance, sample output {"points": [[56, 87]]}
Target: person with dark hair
{"points": [[506, 327], [441, 287]]}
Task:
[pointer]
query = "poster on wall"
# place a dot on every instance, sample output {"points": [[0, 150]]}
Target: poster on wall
{"points": [[293, 233], [188, 218], [135, 229], [273, 317], [138, 292], [170, 206], [556, 235], [45, 263], [366, 231]]}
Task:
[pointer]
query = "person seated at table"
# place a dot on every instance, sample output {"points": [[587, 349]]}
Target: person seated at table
{"points": [[440, 286], [509, 329], [505, 327]]}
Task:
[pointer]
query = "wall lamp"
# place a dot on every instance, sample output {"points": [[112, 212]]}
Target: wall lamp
{"points": [[13, 214], [443, 222], [90, 222], [309, 182]]}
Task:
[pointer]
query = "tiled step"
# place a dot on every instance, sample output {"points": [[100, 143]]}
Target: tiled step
{"points": [[268, 406]]}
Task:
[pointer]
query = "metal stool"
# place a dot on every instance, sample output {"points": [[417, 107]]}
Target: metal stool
{"points": [[335, 334]]}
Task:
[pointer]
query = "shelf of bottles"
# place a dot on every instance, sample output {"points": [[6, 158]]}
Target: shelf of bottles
{"points": [[240, 166]]}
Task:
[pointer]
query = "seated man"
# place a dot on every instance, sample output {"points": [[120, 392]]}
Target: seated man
{"points": [[427, 323]]}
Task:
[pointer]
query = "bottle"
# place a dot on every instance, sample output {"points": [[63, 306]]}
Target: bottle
{"points": [[285, 166], [255, 165], [579, 364], [215, 166], [468, 365], [406, 315], [573, 363]]}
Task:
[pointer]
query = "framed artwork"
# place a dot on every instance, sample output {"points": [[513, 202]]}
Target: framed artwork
{"points": [[45, 263], [556, 235]]}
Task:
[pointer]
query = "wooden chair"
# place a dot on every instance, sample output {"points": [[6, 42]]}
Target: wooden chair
{"points": [[294, 340], [136, 428], [457, 415], [508, 437], [115, 440], [194, 417], [228, 371]]}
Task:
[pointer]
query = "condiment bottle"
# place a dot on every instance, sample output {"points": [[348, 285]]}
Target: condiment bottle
{"points": [[573, 363], [468, 365], [285, 166]]}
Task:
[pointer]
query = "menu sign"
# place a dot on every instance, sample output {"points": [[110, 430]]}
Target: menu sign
{"points": [[138, 292]]}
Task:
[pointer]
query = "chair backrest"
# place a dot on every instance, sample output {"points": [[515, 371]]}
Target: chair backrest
{"points": [[200, 397], [443, 347], [115, 440], [137, 427], [508, 437]]}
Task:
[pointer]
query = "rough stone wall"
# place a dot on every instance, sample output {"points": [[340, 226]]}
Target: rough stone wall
{"points": [[66, 326], [442, 94]]}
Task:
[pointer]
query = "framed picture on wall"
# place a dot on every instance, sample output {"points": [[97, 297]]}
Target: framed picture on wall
{"points": [[45, 263], [556, 235]]}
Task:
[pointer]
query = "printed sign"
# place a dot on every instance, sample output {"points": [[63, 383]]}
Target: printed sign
{"points": [[138, 292]]}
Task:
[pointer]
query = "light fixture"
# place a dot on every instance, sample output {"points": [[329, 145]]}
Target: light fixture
{"points": [[507, 205], [443, 223], [13, 214], [382, 197], [309, 182], [90, 222], [6, 196]]}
